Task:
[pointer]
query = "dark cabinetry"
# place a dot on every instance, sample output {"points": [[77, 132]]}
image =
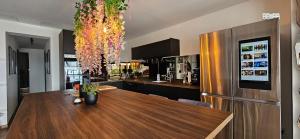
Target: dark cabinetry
{"points": [[169, 47], [173, 93], [66, 46], [66, 38], [135, 87]]}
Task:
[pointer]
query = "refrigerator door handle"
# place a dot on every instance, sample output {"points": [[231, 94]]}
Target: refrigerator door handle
{"points": [[204, 94], [277, 103]]}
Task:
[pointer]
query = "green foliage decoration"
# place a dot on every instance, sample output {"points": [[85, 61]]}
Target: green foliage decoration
{"points": [[90, 89]]}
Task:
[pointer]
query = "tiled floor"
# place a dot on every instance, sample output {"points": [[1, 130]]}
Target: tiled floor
{"points": [[3, 133]]}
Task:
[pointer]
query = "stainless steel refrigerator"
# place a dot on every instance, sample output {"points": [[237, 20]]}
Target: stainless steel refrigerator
{"points": [[256, 111]]}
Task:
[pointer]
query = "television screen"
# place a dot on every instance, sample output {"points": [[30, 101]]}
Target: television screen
{"points": [[255, 66]]}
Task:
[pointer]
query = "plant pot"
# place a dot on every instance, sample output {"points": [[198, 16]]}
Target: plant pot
{"points": [[82, 94], [90, 98]]}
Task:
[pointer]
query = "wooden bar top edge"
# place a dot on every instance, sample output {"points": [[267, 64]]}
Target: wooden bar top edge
{"points": [[214, 133]]}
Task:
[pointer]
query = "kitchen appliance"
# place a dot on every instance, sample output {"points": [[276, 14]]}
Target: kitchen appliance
{"points": [[196, 76], [225, 85], [170, 72]]}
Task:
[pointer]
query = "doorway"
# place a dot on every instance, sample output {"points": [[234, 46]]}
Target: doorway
{"points": [[23, 64], [36, 70], [29, 73]]}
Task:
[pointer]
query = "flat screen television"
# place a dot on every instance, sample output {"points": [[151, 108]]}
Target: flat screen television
{"points": [[255, 63]]}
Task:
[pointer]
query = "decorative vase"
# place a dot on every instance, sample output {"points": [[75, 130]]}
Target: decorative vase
{"points": [[90, 98]]}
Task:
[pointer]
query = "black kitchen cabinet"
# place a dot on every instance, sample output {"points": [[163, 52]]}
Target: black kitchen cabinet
{"points": [[173, 93], [66, 38], [136, 87], [168, 92], [169, 47], [193, 94]]}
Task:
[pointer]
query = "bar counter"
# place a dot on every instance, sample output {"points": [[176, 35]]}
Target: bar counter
{"points": [[177, 84], [168, 84], [118, 114], [174, 90]]}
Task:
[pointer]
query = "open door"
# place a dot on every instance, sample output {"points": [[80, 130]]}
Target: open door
{"points": [[23, 74]]}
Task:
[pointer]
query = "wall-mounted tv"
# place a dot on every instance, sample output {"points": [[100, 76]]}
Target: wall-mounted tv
{"points": [[255, 63]]}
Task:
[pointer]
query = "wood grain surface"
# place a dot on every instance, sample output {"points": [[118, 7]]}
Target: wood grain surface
{"points": [[118, 114], [3, 133], [105, 88]]}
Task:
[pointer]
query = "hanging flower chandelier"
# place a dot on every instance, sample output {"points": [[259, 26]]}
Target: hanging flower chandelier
{"points": [[99, 32]]}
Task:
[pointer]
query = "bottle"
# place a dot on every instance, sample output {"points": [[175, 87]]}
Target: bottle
{"points": [[189, 76], [158, 77]]}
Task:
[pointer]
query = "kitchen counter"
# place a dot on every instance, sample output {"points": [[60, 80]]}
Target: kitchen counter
{"points": [[178, 84], [174, 90], [168, 84], [118, 114]]}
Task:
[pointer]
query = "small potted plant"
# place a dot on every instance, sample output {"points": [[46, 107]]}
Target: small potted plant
{"points": [[91, 94]]}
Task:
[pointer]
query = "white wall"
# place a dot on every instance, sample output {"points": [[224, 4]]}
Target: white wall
{"points": [[12, 80], [189, 31], [36, 70], [3, 89], [22, 28], [296, 73]]}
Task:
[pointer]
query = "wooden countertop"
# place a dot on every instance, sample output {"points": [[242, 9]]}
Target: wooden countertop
{"points": [[118, 114], [105, 88], [168, 84]]}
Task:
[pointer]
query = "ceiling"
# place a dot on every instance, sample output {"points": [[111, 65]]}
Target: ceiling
{"points": [[27, 41], [142, 16]]}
